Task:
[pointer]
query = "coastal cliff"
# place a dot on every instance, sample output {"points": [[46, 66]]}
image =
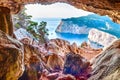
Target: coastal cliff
{"points": [[101, 37], [82, 25]]}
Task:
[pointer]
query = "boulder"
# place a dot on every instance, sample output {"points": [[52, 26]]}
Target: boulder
{"points": [[11, 58], [106, 66], [77, 66], [100, 37], [22, 33]]}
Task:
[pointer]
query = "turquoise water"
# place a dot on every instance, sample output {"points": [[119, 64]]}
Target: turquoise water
{"points": [[52, 25]]}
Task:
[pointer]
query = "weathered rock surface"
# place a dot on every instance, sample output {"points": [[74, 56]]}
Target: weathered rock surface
{"points": [[71, 27], [103, 7], [76, 65], [11, 58], [106, 66], [102, 38], [22, 33], [6, 21], [63, 47]]}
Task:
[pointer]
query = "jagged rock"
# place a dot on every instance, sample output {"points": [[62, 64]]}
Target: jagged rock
{"points": [[76, 65], [22, 33], [55, 63], [66, 77], [33, 62], [101, 37], [63, 47], [11, 58], [106, 66], [87, 51]]}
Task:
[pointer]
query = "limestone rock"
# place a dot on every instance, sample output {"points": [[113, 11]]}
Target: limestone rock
{"points": [[11, 58], [106, 66], [101, 37], [22, 33]]}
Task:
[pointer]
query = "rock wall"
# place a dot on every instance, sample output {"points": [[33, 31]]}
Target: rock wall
{"points": [[106, 66], [102, 7], [6, 20], [11, 58], [100, 37]]}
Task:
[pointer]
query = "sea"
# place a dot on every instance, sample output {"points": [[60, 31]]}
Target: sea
{"points": [[52, 24]]}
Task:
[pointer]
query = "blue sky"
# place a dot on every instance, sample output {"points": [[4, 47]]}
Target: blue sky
{"points": [[56, 10]]}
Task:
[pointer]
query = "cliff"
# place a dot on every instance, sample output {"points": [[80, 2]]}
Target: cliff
{"points": [[100, 37], [82, 25]]}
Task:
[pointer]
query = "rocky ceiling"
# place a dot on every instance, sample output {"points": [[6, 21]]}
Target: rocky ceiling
{"points": [[102, 7]]}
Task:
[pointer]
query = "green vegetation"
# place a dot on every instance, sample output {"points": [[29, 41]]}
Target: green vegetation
{"points": [[38, 31]]}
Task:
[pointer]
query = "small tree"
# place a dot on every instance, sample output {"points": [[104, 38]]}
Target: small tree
{"points": [[38, 31]]}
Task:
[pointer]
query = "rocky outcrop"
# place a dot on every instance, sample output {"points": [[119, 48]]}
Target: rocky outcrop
{"points": [[6, 21], [11, 58], [82, 25], [106, 66], [102, 38], [63, 47], [70, 27], [22, 33], [76, 65], [104, 7]]}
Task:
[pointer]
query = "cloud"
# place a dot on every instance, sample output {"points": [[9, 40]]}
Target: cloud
{"points": [[56, 10]]}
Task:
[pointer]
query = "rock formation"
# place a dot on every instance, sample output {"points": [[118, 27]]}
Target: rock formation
{"points": [[22, 33], [76, 65], [63, 47], [11, 58], [70, 27], [83, 24], [106, 66], [6, 21], [100, 37]]}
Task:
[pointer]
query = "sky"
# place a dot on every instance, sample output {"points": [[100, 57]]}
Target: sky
{"points": [[57, 10]]}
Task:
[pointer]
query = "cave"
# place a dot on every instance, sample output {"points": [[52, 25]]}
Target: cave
{"points": [[105, 65]]}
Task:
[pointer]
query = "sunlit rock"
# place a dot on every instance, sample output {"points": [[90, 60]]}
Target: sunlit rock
{"points": [[22, 33], [62, 47], [55, 63], [106, 66], [101, 37], [11, 58]]}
